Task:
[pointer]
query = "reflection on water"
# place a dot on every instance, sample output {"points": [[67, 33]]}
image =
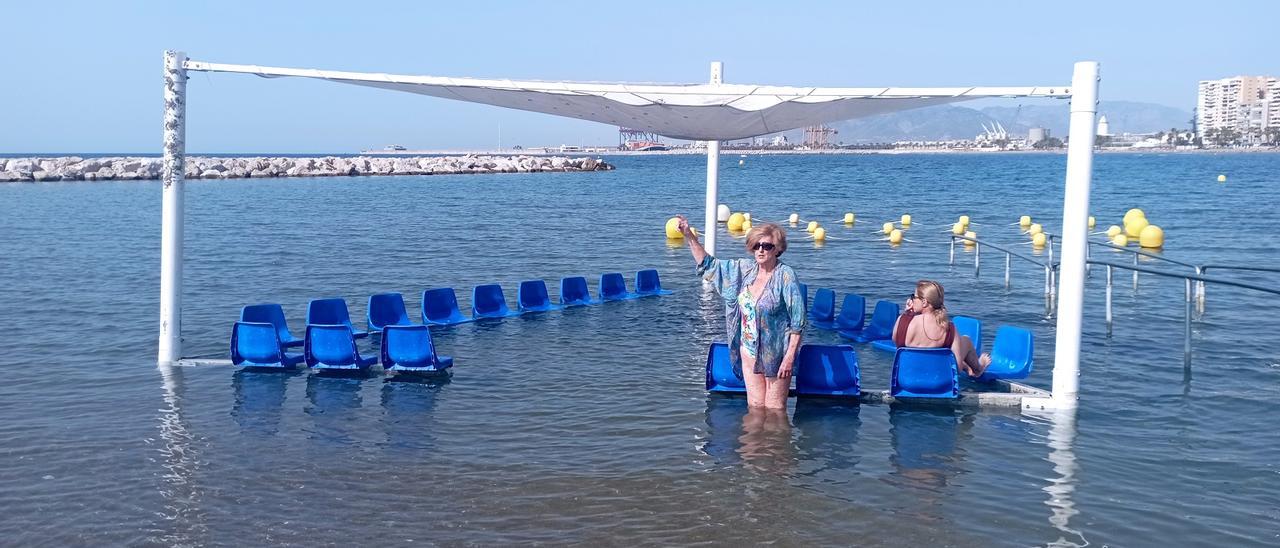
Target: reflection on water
{"points": [[765, 442], [409, 402], [1062, 437], [828, 433], [332, 403], [724, 425], [184, 519], [925, 452], [259, 399]]}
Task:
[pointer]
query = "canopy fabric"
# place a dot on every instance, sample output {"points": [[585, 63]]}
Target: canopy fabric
{"points": [[702, 112]]}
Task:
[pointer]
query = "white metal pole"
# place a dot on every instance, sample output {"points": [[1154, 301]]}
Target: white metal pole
{"points": [[172, 171], [713, 174], [1075, 232]]}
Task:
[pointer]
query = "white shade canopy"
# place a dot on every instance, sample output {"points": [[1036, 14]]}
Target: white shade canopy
{"points": [[703, 112]]}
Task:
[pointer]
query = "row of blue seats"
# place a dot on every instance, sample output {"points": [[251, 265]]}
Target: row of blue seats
{"points": [[407, 348]]}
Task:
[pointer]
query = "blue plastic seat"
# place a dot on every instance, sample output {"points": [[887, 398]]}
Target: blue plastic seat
{"points": [[332, 312], [924, 373], [827, 370], [853, 313], [886, 345], [1011, 354], [823, 312], [574, 292], [387, 309], [440, 307], [532, 297], [487, 301], [720, 375], [256, 344], [409, 348], [969, 327], [613, 287], [647, 283], [333, 346], [274, 315], [881, 326]]}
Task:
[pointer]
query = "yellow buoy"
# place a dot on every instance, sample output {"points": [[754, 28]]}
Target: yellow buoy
{"points": [[819, 234], [746, 224], [888, 227], [673, 229], [957, 228], [971, 235], [1222, 178], [1131, 214], [895, 237], [1035, 229], [964, 220], [1038, 240], [848, 218], [1151, 237], [1092, 222], [795, 218], [1120, 240], [735, 221], [906, 220], [1134, 227], [1025, 221], [813, 225], [1112, 231]]}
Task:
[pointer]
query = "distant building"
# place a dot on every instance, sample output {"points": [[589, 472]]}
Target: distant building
{"points": [[1245, 104], [1037, 134], [1104, 127]]}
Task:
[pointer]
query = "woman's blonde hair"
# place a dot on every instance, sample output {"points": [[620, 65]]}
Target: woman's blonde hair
{"points": [[767, 229], [931, 292]]}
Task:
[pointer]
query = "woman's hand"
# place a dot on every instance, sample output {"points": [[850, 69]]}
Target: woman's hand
{"points": [[784, 370], [683, 226]]}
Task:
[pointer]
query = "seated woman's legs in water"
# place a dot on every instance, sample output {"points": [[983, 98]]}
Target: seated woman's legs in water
{"points": [[968, 360]]}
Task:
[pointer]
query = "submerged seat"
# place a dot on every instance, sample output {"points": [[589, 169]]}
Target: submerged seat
{"points": [[1011, 354], [574, 292], [409, 348], [332, 312], [881, 326], [823, 312], [827, 370], [487, 301], [886, 345], [853, 313], [440, 307], [273, 314], [532, 297], [647, 284], [613, 287], [924, 373], [969, 327], [387, 309], [332, 346], [720, 375], [257, 344]]}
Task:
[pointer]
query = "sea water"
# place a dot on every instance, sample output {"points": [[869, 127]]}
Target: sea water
{"points": [[592, 425]]}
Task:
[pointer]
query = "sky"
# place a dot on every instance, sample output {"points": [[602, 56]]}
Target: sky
{"points": [[86, 76]]}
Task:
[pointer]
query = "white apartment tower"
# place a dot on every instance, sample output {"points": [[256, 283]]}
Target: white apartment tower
{"points": [[1247, 104]]}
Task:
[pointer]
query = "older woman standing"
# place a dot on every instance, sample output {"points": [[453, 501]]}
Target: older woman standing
{"points": [[764, 311]]}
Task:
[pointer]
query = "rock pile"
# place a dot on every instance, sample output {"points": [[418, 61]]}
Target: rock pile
{"points": [[74, 168]]}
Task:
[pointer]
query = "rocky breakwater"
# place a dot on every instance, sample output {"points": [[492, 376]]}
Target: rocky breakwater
{"points": [[74, 168]]}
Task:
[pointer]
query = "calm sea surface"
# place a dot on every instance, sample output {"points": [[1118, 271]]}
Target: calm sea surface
{"points": [[591, 425]]}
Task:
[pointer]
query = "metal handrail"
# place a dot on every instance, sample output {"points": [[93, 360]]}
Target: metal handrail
{"points": [[1187, 278], [1050, 268], [1206, 267]]}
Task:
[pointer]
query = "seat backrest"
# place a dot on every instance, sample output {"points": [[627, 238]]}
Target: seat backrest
{"points": [[254, 342], [925, 373], [487, 299], [407, 344], [330, 344], [328, 312], [387, 309], [828, 369], [267, 313], [574, 290], [884, 315], [612, 284], [532, 293], [647, 281], [439, 304], [1012, 352], [720, 375], [824, 305], [972, 327], [853, 310]]}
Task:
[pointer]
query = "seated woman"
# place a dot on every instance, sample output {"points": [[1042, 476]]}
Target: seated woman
{"points": [[924, 324]]}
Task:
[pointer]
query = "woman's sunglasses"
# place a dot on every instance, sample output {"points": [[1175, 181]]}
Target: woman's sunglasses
{"points": [[767, 246]]}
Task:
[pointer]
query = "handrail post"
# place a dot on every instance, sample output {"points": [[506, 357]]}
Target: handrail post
{"points": [[1109, 301], [1186, 346], [1008, 261], [1135, 272], [1049, 240], [713, 175], [172, 171], [977, 258], [1200, 290], [1088, 256], [951, 258]]}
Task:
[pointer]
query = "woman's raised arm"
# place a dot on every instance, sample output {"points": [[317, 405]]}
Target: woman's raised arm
{"points": [[695, 246]]}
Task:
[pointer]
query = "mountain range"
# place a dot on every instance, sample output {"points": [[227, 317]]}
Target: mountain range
{"points": [[948, 122]]}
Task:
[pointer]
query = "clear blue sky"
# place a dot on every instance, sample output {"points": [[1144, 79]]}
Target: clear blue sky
{"points": [[86, 77]]}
